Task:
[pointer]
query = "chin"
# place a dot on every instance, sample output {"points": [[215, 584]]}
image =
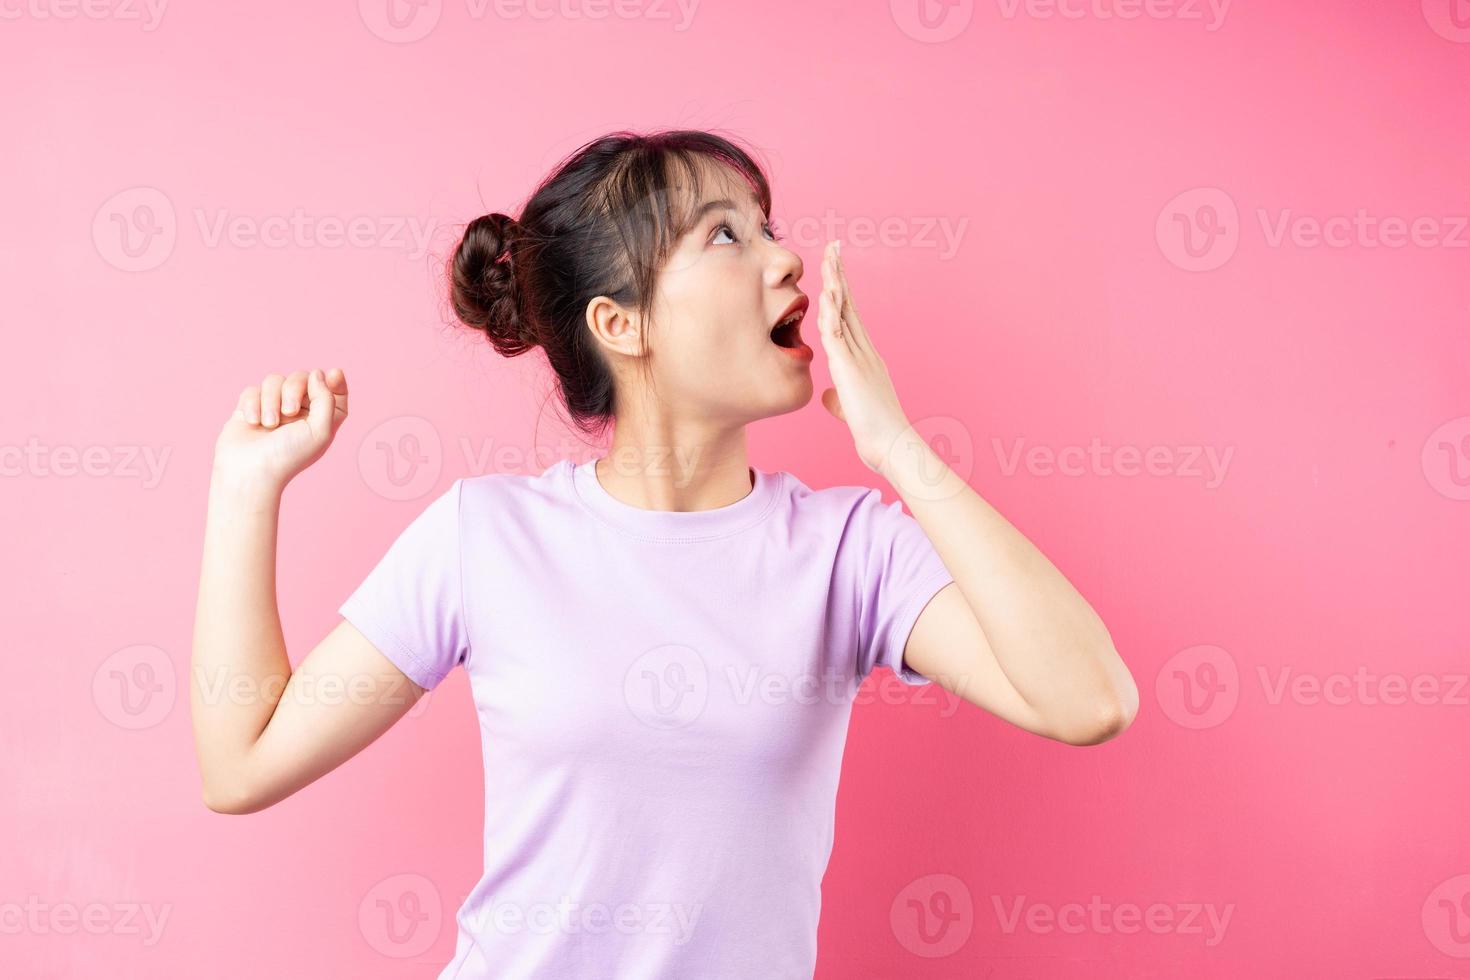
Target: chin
{"points": [[789, 397]]}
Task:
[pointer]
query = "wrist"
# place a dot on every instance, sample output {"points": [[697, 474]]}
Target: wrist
{"points": [[247, 489], [916, 471], [897, 449]]}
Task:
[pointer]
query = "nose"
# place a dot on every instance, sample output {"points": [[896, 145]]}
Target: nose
{"points": [[784, 268]]}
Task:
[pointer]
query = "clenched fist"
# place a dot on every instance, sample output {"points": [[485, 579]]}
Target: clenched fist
{"points": [[282, 426]]}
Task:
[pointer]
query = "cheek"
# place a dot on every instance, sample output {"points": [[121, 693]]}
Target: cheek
{"points": [[713, 330], [717, 346], [709, 360]]}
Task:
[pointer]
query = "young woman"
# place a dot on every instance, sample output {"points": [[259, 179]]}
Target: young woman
{"points": [[663, 643]]}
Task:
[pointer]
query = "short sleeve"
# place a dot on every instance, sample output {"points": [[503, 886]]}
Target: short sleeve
{"points": [[411, 604], [901, 573]]}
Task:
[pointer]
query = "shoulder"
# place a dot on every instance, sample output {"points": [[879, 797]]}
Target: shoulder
{"points": [[843, 498], [501, 492], [845, 508]]}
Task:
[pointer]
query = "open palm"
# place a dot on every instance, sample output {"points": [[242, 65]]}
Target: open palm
{"points": [[864, 396]]}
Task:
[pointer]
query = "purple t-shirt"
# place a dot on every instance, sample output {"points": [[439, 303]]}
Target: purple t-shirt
{"points": [[663, 699]]}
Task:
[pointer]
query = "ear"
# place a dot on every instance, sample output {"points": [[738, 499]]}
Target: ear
{"points": [[613, 326]]}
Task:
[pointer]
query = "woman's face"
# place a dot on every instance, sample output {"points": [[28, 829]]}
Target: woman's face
{"points": [[727, 283]]}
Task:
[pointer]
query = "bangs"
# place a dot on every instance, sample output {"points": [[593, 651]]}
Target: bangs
{"points": [[654, 198]]}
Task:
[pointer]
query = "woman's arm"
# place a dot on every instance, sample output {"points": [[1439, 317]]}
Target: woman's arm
{"points": [[262, 731], [239, 651], [1012, 635]]}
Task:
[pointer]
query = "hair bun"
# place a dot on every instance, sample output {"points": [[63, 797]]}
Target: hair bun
{"points": [[482, 283]]}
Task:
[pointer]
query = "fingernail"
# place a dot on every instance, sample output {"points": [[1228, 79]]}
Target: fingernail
{"points": [[839, 246]]}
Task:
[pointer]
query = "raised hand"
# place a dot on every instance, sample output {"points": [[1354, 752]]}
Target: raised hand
{"points": [[282, 426], [864, 397]]}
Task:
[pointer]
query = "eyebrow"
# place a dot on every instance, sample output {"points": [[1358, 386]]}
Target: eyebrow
{"points": [[722, 204]]}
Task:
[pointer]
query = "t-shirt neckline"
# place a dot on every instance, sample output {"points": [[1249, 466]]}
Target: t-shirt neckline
{"points": [[674, 525]]}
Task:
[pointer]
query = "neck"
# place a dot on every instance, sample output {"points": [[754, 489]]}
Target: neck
{"points": [[675, 468]]}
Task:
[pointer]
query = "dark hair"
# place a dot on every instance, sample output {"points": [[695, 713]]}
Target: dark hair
{"points": [[601, 224]]}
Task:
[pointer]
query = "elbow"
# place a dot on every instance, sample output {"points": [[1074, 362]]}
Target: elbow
{"points": [[1108, 722], [230, 784], [1117, 706], [228, 799], [1109, 718]]}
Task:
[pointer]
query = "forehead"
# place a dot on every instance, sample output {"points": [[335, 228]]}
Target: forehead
{"points": [[716, 186]]}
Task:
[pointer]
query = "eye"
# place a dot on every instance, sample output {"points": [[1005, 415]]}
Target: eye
{"points": [[725, 226]]}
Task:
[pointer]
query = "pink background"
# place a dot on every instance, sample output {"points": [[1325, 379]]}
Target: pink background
{"points": [[1069, 155]]}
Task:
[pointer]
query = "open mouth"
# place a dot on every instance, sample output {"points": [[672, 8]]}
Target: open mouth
{"points": [[787, 333]]}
